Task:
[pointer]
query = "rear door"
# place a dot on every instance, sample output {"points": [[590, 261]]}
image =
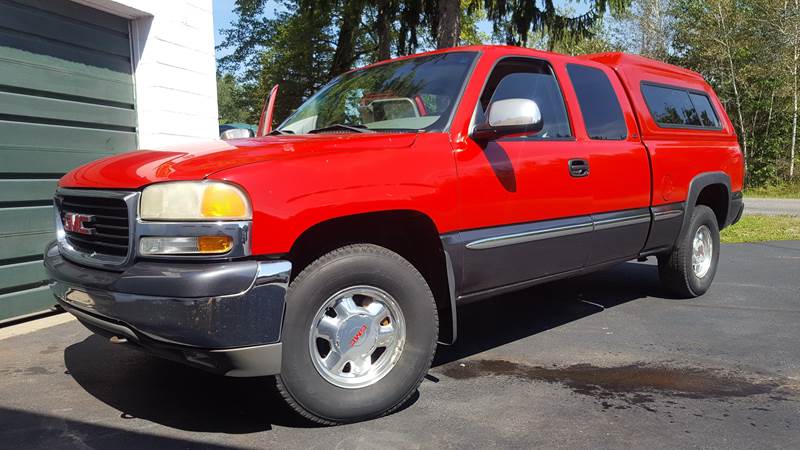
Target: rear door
{"points": [[618, 164]]}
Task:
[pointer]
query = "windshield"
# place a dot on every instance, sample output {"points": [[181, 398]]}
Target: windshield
{"points": [[412, 94]]}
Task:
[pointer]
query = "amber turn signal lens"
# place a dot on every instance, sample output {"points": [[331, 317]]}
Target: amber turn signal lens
{"points": [[214, 244], [223, 200]]}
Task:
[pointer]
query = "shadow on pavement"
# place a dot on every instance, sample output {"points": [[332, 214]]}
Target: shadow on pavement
{"points": [[25, 429], [146, 387], [181, 397], [496, 321]]}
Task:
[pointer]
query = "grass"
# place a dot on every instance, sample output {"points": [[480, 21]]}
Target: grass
{"points": [[762, 228], [783, 190]]}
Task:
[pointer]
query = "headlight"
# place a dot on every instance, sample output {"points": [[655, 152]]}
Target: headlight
{"points": [[194, 200]]}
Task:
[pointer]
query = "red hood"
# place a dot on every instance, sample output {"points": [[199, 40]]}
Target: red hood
{"points": [[197, 161]]}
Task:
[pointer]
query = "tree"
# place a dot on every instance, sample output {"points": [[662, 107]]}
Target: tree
{"points": [[714, 38], [294, 49], [783, 17], [308, 42], [746, 50], [229, 100], [514, 20], [448, 25], [646, 28]]}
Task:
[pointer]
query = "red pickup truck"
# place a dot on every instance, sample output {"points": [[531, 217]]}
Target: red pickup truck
{"points": [[333, 251]]}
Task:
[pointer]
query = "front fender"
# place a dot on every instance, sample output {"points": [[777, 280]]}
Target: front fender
{"points": [[290, 195]]}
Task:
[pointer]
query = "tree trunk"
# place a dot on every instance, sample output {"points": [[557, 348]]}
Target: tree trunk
{"points": [[794, 115], [795, 43], [736, 95], [769, 116], [383, 25], [449, 26], [344, 56]]}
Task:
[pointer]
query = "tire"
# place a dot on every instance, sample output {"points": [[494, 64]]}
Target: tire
{"points": [[349, 272], [677, 273]]}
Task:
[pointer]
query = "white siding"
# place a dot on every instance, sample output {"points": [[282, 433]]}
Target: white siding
{"points": [[174, 68]]}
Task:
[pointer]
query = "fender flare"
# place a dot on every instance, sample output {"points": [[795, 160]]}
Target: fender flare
{"points": [[696, 186]]}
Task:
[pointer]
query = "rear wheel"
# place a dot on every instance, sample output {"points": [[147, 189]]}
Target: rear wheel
{"points": [[358, 337], [689, 269]]}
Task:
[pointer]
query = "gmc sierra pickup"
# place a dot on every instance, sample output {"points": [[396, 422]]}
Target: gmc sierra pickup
{"points": [[333, 251]]}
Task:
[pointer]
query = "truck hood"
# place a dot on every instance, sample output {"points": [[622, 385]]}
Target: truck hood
{"points": [[196, 161]]}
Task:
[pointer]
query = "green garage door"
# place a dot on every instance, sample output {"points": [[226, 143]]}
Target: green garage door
{"points": [[66, 98]]}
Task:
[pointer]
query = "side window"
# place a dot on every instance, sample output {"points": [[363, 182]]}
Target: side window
{"points": [[708, 117], [599, 104], [532, 79], [676, 107]]}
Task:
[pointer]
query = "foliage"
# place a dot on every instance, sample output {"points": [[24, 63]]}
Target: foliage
{"points": [[601, 38], [294, 49], [230, 96], [789, 189], [308, 42], [762, 228], [514, 20]]}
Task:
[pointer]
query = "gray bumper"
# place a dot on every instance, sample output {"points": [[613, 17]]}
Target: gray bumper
{"points": [[225, 316], [736, 209]]}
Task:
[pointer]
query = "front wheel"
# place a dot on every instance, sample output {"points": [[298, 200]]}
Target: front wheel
{"points": [[358, 337], [689, 268]]}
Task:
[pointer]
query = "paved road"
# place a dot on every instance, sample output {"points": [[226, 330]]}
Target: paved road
{"points": [[604, 361], [772, 206]]}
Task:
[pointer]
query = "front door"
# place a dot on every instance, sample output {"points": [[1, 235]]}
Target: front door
{"points": [[526, 201]]}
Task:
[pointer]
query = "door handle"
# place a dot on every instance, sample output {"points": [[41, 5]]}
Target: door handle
{"points": [[578, 167]]}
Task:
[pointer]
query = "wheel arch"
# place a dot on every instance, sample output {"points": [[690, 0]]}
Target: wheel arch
{"points": [[409, 233], [712, 189]]}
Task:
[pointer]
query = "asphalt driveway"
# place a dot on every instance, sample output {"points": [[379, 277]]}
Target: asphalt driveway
{"points": [[604, 361]]}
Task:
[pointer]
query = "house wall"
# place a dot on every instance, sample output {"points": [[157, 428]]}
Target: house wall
{"points": [[174, 68]]}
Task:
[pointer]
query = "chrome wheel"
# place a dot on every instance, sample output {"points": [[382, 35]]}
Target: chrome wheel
{"points": [[702, 251], [357, 336]]}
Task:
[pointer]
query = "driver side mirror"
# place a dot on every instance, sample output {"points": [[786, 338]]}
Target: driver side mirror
{"points": [[509, 116], [236, 133]]}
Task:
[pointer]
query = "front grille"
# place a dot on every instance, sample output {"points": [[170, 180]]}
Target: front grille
{"points": [[109, 224]]}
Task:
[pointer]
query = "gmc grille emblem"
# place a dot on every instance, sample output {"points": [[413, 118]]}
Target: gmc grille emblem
{"points": [[76, 223]]}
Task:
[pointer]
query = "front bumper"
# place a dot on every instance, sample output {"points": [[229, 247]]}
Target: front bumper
{"points": [[224, 317]]}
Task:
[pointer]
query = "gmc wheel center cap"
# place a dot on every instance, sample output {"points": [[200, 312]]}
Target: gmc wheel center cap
{"points": [[356, 332]]}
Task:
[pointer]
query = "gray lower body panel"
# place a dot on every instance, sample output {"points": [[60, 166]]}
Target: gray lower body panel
{"points": [[491, 259], [497, 256], [616, 235], [667, 222]]}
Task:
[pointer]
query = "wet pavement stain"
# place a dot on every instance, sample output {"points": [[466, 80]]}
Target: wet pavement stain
{"points": [[633, 385], [50, 349]]}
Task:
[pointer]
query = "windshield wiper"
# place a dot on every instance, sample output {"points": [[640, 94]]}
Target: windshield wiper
{"points": [[342, 127]]}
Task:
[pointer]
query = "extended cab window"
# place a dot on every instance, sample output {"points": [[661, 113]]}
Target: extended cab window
{"points": [[676, 107], [531, 79], [599, 104]]}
